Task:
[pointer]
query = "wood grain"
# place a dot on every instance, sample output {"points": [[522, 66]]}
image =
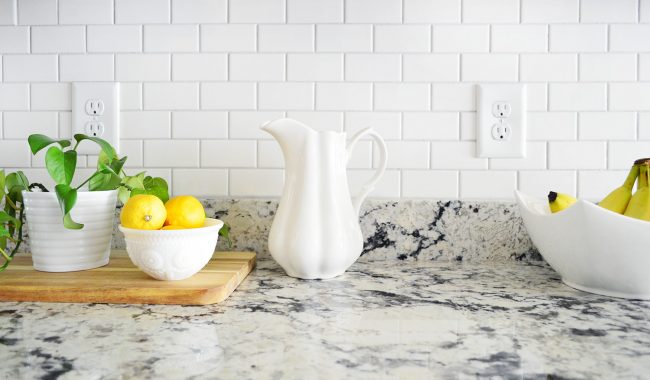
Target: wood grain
{"points": [[121, 282]]}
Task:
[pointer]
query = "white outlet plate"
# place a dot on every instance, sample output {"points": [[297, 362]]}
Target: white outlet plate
{"points": [[490, 100], [96, 109]]}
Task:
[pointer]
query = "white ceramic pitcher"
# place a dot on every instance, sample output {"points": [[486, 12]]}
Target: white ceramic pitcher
{"points": [[316, 232]]}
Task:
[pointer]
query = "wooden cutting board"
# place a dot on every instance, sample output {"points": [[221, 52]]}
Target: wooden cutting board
{"points": [[122, 282]]}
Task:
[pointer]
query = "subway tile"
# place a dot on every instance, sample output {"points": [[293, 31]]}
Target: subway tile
{"points": [[372, 67], [320, 67], [519, 38], [8, 12], [461, 38], [228, 38], [577, 96], [246, 124], [200, 182], [320, 120], [431, 68], [256, 182], [537, 96], [37, 12], [171, 38], [629, 38], [344, 38], [608, 67], [14, 154], [644, 11], [549, 126], [468, 126], [402, 96], [578, 38], [142, 11], [228, 153], [607, 126], [361, 156], [145, 125], [644, 125], [577, 155], [65, 125], [86, 67], [142, 67], [171, 96], [402, 38], [343, 96], [257, 67], [58, 39], [453, 97], [484, 184], [30, 68], [14, 39], [315, 11], [50, 96], [286, 96], [19, 125], [199, 11], [130, 96], [387, 187], [431, 126], [622, 154], [535, 159], [644, 67], [548, 67], [432, 11], [629, 96], [257, 11], [85, 12], [594, 185], [549, 11], [456, 155], [538, 183], [228, 96], [597, 11], [269, 154], [114, 38], [440, 184], [489, 67], [491, 11], [199, 67], [387, 124], [133, 150], [405, 155], [373, 11], [171, 153], [199, 125], [286, 38]]}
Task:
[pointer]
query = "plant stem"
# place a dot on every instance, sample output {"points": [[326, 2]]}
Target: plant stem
{"points": [[88, 180]]}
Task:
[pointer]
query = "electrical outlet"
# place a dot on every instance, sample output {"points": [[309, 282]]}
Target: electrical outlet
{"points": [[501, 120], [95, 112]]}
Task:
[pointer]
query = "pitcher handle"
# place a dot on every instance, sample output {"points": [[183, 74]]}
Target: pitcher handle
{"points": [[383, 159]]}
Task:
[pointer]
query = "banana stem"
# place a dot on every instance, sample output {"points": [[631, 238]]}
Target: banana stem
{"points": [[643, 178], [631, 177]]}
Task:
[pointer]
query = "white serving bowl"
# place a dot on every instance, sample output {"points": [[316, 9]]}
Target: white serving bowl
{"points": [[593, 249], [172, 254]]}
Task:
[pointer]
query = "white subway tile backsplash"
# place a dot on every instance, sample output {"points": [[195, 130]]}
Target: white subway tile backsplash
{"points": [[539, 182], [368, 67], [50, 97], [228, 153], [171, 153], [402, 96], [577, 155], [37, 12], [306, 67], [85, 12], [256, 67], [114, 38], [491, 11], [14, 154], [228, 96], [344, 38], [315, 11], [269, 154], [453, 97], [145, 125], [608, 67], [494, 184], [548, 67], [519, 38], [537, 96], [142, 67], [228, 38], [199, 11], [58, 39], [456, 155], [441, 184], [373, 11], [142, 11], [598, 11], [199, 124], [461, 38], [14, 39], [320, 120], [644, 125], [8, 14], [468, 126], [286, 96], [622, 154], [594, 185], [578, 96], [431, 67], [251, 11], [133, 150], [644, 67], [629, 96], [489, 67], [256, 182], [387, 124], [86, 67], [405, 155], [629, 38], [402, 38], [28, 68], [431, 11], [286, 38], [431, 126], [19, 125], [199, 67], [551, 126], [644, 10], [387, 187], [171, 38], [607, 126], [344, 96], [174, 96], [535, 159], [549, 11], [578, 38], [200, 182], [246, 124]]}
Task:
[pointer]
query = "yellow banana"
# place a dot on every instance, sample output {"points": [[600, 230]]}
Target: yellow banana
{"points": [[639, 206], [618, 199], [559, 201]]}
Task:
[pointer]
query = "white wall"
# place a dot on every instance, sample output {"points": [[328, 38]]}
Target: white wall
{"points": [[198, 76]]}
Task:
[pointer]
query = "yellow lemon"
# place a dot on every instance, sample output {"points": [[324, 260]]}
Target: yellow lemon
{"points": [[185, 211], [172, 227], [143, 212]]}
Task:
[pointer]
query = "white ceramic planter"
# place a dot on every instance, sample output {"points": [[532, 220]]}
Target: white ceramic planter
{"points": [[593, 249], [57, 249]]}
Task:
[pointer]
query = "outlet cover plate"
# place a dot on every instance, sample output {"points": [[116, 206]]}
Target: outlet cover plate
{"points": [[108, 93], [487, 145]]}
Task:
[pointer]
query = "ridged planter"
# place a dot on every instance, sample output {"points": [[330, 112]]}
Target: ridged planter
{"points": [[55, 248]]}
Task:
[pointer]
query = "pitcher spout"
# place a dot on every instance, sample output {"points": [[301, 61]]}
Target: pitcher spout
{"points": [[290, 134]]}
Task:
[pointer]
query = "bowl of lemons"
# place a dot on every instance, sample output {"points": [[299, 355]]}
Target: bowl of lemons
{"points": [[598, 248], [168, 241]]}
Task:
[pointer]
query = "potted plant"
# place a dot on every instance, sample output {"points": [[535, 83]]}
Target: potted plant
{"points": [[12, 215]]}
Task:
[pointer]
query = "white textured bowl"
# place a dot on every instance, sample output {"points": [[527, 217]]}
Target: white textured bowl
{"points": [[57, 249], [172, 254], [593, 249]]}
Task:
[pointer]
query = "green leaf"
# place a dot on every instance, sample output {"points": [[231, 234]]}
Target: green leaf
{"points": [[154, 186], [224, 232], [60, 165], [101, 182], [6, 218], [67, 197], [38, 142], [106, 147], [15, 183], [2, 184], [129, 183]]}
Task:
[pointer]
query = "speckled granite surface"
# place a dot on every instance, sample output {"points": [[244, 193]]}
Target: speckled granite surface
{"points": [[381, 320]]}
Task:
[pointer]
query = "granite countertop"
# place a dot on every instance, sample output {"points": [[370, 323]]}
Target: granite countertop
{"points": [[382, 319]]}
